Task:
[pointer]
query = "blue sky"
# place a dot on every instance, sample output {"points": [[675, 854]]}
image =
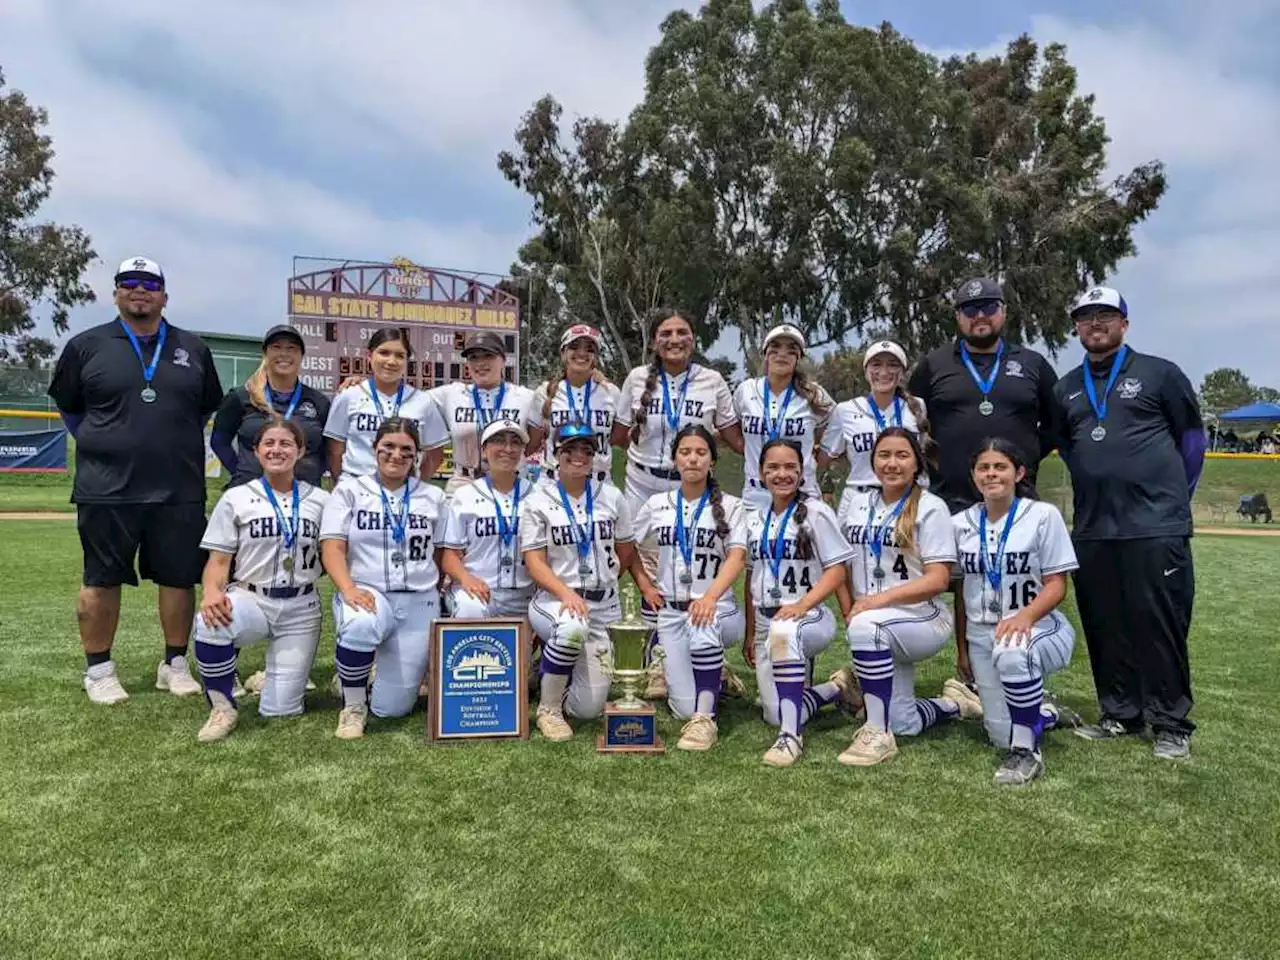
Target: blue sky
{"points": [[222, 139]]}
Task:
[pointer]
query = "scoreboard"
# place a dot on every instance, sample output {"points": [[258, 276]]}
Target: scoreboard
{"points": [[338, 307]]}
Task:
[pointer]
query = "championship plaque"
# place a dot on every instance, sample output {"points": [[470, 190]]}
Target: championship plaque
{"points": [[479, 685], [630, 724]]}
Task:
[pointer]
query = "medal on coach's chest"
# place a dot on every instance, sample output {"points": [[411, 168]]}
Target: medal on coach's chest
{"points": [[148, 394], [397, 523], [1099, 404], [1098, 433], [986, 408], [684, 537], [992, 564], [584, 537], [506, 529], [987, 383], [289, 527], [875, 534], [773, 552]]}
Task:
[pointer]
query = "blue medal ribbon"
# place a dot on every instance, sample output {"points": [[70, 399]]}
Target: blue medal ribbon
{"points": [[774, 556], [506, 530], [485, 417], [1099, 404], [984, 384], [584, 536], [288, 529], [992, 564], [293, 399], [399, 523], [373, 392], [148, 369], [683, 540], [772, 426], [585, 419], [673, 416], [881, 423], [875, 533]]}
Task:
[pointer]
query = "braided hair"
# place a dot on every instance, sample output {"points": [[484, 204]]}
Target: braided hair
{"points": [[639, 415], [713, 486], [904, 529], [804, 541], [928, 446]]}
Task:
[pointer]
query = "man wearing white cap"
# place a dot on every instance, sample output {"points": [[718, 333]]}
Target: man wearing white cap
{"points": [[136, 394], [1134, 442]]}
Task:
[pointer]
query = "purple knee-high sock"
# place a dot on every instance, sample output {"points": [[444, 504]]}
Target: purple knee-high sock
{"points": [[933, 710], [875, 675], [788, 680], [217, 663], [354, 667], [815, 698], [706, 679], [1024, 698]]}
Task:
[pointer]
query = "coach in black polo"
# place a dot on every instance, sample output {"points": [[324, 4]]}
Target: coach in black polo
{"points": [[982, 386], [1134, 443], [135, 393]]}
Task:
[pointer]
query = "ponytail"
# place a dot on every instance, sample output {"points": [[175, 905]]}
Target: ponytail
{"points": [[904, 529], [928, 447], [256, 387], [804, 542], [639, 416], [811, 392], [717, 510]]}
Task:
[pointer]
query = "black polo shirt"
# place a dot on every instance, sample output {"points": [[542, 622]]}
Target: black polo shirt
{"points": [[240, 420], [128, 451], [1024, 412], [1132, 483]]}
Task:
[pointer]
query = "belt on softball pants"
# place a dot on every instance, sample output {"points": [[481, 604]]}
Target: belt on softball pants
{"points": [[280, 593], [594, 596], [681, 605], [769, 612], [663, 472]]}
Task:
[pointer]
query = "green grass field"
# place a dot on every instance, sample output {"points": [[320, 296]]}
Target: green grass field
{"points": [[120, 836]]}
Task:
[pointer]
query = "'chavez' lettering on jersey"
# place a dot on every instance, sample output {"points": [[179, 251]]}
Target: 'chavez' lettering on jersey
{"points": [[566, 535], [488, 527], [1015, 563], [377, 520], [788, 550], [861, 442], [789, 428], [261, 528], [600, 419], [692, 408], [470, 414], [703, 539], [367, 422]]}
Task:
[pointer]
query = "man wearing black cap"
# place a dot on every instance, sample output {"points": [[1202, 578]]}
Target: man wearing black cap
{"points": [[136, 393], [1134, 442], [275, 388], [979, 387]]}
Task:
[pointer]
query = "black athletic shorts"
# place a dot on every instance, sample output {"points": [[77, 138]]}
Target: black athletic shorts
{"points": [[164, 537]]}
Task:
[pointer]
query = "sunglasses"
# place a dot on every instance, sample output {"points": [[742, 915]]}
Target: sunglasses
{"points": [[154, 286], [987, 308]]}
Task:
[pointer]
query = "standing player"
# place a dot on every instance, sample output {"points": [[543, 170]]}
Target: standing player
{"points": [[1015, 555], [481, 552], [578, 543], [582, 395], [904, 546], [783, 404], [700, 536], [857, 422], [1134, 443], [797, 561], [380, 540], [979, 387], [270, 527], [467, 408], [273, 389], [135, 394], [361, 407]]}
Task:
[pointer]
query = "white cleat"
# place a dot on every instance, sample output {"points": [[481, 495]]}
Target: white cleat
{"points": [[222, 720], [351, 722], [970, 703], [553, 725], [175, 677], [870, 746], [102, 685]]}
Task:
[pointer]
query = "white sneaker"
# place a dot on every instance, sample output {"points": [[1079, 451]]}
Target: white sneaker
{"points": [[970, 703], [351, 722], [553, 726], [222, 720], [175, 676], [102, 685]]}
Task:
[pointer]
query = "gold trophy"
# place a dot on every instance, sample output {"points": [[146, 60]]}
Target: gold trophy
{"points": [[630, 724]]}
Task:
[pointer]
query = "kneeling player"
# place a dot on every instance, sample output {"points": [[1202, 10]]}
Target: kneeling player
{"points": [[578, 543], [904, 549], [700, 552], [797, 561], [271, 529], [1015, 554], [380, 538]]}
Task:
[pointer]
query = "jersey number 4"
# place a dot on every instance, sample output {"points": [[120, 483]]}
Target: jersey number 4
{"points": [[789, 579]]}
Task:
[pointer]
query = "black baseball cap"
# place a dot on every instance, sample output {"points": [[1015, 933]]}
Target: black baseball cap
{"points": [[282, 331], [978, 289], [484, 341]]}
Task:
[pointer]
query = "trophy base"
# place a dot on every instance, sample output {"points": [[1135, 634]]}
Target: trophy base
{"points": [[630, 730]]}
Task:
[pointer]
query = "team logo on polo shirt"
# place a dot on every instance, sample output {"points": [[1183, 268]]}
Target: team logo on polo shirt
{"points": [[1129, 387], [1013, 368], [181, 358], [307, 409]]}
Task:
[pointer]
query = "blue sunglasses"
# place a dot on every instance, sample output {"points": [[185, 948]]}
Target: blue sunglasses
{"points": [[988, 308], [154, 286], [574, 431]]}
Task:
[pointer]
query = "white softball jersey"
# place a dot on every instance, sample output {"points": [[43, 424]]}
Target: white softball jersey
{"points": [[467, 410], [473, 526], [1038, 544], [246, 525], [795, 420], [593, 404], [869, 520], [356, 415], [853, 430], [655, 529], [794, 577], [699, 395], [559, 533], [357, 514]]}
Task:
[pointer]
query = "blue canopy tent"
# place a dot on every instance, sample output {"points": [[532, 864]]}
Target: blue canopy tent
{"points": [[1253, 411]]}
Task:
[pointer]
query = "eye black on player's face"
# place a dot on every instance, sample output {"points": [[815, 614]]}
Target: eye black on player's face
{"points": [[397, 454], [884, 373], [580, 356], [782, 357], [673, 340]]}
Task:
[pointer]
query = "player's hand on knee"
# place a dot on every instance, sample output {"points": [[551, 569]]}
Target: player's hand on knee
{"points": [[792, 611], [702, 612], [575, 605], [1014, 631], [360, 600], [216, 609], [474, 587]]}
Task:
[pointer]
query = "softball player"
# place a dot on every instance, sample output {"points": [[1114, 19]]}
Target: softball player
{"points": [[482, 555], [856, 423], [700, 537], [904, 547], [797, 560], [579, 541], [270, 527], [581, 395], [361, 407], [467, 408], [1015, 554], [784, 404], [380, 539]]}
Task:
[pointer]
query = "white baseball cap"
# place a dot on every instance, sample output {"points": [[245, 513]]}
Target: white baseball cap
{"points": [[1101, 297], [136, 268], [882, 347], [580, 331], [503, 426], [785, 330]]}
